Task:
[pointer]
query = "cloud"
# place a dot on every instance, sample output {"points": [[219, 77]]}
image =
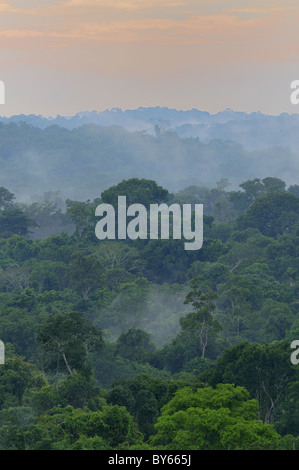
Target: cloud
{"points": [[249, 30], [124, 4], [212, 29]]}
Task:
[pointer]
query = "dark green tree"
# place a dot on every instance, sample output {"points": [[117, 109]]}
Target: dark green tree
{"points": [[136, 345], [139, 191], [86, 273], [6, 198], [15, 221], [64, 342]]}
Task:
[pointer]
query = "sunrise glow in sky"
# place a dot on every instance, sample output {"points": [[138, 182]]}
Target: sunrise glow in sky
{"points": [[67, 56]]}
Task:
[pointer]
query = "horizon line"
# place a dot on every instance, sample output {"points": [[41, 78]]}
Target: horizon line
{"points": [[123, 110]]}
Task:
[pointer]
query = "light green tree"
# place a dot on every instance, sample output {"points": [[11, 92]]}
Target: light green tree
{"points": [[224, 418]]}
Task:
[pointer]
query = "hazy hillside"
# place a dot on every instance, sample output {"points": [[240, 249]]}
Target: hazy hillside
{"points": [[253, 131], [82, 162]]}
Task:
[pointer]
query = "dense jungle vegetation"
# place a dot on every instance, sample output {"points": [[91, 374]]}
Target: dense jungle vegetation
{"points": [[122, 344]]}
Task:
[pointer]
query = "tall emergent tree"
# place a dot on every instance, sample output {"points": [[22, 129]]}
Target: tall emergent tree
{"points": [[201, 321]]}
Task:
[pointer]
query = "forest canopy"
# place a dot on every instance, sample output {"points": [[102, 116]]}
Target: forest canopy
{"points": [[140, 344]]}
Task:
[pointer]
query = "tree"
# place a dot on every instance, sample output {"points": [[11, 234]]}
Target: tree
{"points": [[86, 273], [136, 345], [239, 307], [72, 428], [14, 277], [65, 340], [16, 378], [200, 322], [294, 189], [128, 305], [223, 418], [241, 200], [81, 214], [17, 327], [49, 275], [143, 396], [80, 391], [273, 185], [264, 370], [15, 221], [215, 273], [6, 198], [139, 191], [167, 260], [274, 214], [288, 420]]}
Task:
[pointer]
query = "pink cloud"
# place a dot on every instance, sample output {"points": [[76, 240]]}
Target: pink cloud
{"points": [[86, 23]]}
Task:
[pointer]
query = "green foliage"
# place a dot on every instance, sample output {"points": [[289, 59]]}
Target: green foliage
{"points": [[264, 370], [143, 396], [137, 191], [17, 378], [86, 274], [75, 429], [6, 198], [64, 342], [213, 419], [102, 338], [275, 214], [15, 221], [200, 322], [135, 345]]}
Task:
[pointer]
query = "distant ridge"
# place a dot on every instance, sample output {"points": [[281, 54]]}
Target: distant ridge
{"points": [[82, 162], [254, 130]]}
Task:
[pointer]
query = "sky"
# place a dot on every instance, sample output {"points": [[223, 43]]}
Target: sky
{"points": [[60, 57]]}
